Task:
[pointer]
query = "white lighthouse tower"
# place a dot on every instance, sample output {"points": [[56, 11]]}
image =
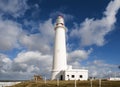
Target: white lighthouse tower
{"points": [[59, 56], [60, 69]]}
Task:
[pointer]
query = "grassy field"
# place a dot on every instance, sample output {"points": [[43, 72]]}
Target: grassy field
{"points": [[68, 84]]}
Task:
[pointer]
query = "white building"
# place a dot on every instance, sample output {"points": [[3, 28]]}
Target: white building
{"points": [[114, 78], [73, 74], [60, 69]]}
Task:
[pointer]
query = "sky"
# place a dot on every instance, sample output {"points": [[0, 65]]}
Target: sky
{"points": [[27, 36]]}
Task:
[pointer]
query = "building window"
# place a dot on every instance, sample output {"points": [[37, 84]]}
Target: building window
{"points": [[73, 76], [81, 76]]}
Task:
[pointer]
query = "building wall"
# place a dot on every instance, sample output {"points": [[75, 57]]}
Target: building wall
{"points": [[113, 78], [58, 75], [76, 75]]}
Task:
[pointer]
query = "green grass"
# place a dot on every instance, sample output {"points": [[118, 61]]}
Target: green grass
{"points": [[68, 84]]}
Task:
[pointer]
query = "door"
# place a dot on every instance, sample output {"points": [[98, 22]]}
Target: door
{"points": [[61, 77]]}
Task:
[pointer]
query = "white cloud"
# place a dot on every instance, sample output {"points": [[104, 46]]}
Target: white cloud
{"points": [[47, 30], [34, 61], [25, 65], [41, 41], [5, 64], [93, 31], [24, 57], [75, 57], [9, 33], [13, 7], [100, 69]]}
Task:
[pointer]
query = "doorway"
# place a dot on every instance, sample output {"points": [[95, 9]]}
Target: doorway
{"points": [[61, 77]]}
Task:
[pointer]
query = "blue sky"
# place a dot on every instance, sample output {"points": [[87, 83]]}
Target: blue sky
{"points": [[27, 36]]}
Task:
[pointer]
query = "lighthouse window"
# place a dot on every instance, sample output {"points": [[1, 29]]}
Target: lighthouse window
{"points": [[81, 76], [73, 76]]}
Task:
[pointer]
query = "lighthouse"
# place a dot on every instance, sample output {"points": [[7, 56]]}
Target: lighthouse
{"points": [[59, 55], [60, 69]]}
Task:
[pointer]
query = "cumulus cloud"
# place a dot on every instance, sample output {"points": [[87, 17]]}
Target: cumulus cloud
{"points": [[100, 69], [15, 8], [34, 61], [93, 31], [13, 36], [28, 63], [75, 57], [25, 65], [47, 29], [41, 41], [5, 65], [9, 33]]}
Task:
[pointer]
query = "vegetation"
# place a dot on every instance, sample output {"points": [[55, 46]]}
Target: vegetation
{"points": [[95, 83]]}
